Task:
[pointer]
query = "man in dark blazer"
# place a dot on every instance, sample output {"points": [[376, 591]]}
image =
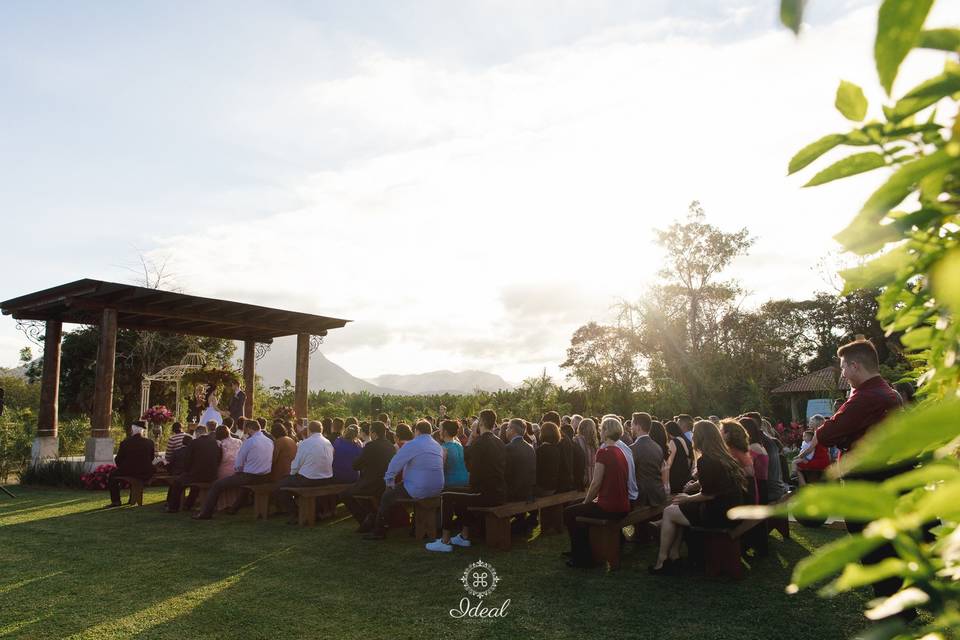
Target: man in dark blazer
{"points": [[372, 464], [201, 461], [134, 459], [521, 472], [237, 402], [647, 460]]}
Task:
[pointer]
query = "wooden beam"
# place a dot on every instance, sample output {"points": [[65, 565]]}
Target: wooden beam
{"points": [[249, 379], [138, 326], [48, 415], [103, 384], [301, 384], [167, 313]]}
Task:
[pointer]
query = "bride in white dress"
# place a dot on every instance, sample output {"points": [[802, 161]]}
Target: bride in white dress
{"points": [[211, 413]]}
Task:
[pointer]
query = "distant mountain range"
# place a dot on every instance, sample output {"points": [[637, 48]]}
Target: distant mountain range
{"points": [[443, 382], [278, 365]]}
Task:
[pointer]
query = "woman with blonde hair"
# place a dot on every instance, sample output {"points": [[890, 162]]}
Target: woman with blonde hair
{"points": [[720, 487]]}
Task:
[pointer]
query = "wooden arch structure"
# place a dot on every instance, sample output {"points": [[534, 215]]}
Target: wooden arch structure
{"points": [[113, 306]]}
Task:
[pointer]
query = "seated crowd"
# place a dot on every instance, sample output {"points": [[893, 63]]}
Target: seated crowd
{"points": [[697, 469]]}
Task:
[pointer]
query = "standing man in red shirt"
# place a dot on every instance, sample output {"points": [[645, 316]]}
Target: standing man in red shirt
{"points": [[871, 401]]}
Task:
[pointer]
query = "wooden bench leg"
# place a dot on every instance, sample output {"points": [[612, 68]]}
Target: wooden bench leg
{"points": [[261, 505], [551, 519], [782, 525], [307, 511], [722, 556], [498, 532], [605, 545], [425, 520]]}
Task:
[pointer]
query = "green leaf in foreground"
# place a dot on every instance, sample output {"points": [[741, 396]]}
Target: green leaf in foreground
{"points": [[857, 575], [830, 559], [946, 281], [889, 195], [906, 436], [927, 474], [926, 94], [813, 151], [852, 500], [849, 166], [943, 39], [898, 29], [791, 14], [850, 101]]}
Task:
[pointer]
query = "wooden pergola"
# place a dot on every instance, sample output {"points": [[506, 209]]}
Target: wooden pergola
{"points": [[113, 306]]}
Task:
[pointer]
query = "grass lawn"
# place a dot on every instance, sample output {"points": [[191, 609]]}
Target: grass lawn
{"points": [[69, 570]]}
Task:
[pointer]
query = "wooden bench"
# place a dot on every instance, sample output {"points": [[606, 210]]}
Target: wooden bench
{"points": [[605, 534], [136, 489], [497, 519], [425, 515], [399, 517], [261, 498], [307, 503], [161, 478]]}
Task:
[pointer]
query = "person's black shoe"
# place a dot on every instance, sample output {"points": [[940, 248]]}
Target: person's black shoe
{"points": [[112, 505], [376, 534], [665, 569]]}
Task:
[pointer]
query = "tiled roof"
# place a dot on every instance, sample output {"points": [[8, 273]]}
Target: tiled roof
{"points": [[825, 379]]}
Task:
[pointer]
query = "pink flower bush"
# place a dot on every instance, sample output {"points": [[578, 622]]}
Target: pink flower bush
{"points": [[158, 414], [96, 480]]}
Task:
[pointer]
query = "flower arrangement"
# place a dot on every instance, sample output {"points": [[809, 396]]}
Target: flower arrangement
{"points": [[158, 414], [215, 377], [284, 413], [97, 479]]}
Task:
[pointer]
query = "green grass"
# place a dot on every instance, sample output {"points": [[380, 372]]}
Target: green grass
{"points": [[69, 570]]}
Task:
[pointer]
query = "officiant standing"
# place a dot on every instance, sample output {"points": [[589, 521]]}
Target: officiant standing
{"points": [[237, 402]]}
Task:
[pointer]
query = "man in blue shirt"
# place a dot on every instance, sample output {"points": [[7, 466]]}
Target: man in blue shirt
{"points": [[421, 461], [253, 464]]}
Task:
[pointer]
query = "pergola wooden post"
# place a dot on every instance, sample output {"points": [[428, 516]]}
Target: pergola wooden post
{"points": [[45, 445], [100, 445], [301, 383], [249, 375]]}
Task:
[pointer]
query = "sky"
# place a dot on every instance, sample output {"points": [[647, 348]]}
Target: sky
{"points": [[469, 181]]}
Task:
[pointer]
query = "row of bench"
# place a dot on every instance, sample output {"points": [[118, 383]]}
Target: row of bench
{"points": [[721, 549]]}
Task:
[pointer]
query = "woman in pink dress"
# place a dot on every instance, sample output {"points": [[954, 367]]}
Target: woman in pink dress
{"points": [[230, 446]]}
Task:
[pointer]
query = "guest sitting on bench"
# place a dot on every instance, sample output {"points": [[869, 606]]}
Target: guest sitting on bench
{"points": [[311, 467], [421, 462], [253, 467], [486, 462], [721, 486], [607, 496], [455, 475], [201, 461], [134, 459], [647, 461], [372, 464]]}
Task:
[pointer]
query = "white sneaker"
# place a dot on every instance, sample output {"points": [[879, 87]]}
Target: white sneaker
{"points": [[439, 545], [459, 541]]}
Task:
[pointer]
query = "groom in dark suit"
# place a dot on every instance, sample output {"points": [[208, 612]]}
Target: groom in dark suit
{"points": [[237, 402]]}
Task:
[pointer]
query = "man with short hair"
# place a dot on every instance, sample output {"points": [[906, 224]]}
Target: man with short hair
{"points": [[134, 459], [201, 461], [421, 462], [175, 442], [647, 461], [486, 461], [872, 399], [253, 464], [372, 464], [521, 463], [311, 467], [237, 404]]}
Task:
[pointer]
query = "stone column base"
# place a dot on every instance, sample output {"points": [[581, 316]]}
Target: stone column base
{"points": [[44, 448], [99, 451]]}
